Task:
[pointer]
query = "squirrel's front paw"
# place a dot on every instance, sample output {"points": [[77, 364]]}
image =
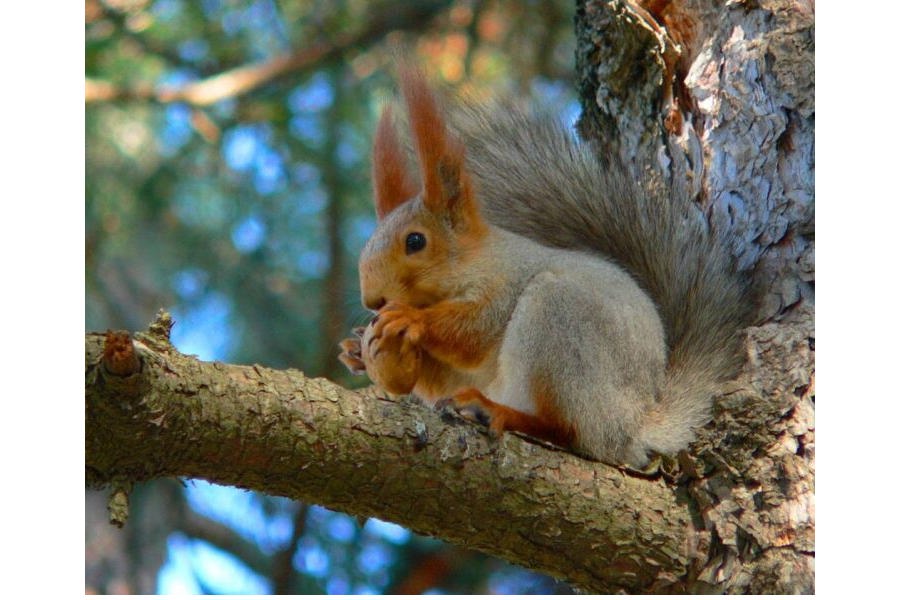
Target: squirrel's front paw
{"points": [[392, 360], [396, 320]]}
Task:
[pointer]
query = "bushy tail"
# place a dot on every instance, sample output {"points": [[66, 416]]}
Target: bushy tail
{"points": [[534, 178]]}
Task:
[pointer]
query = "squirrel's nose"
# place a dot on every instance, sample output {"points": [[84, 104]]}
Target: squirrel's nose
{"points": [[374, 302]]}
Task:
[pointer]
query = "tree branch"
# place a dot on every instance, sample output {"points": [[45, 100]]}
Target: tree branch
{"points": [[283, 573], [242, 80], [281, 433], [225, 538]]}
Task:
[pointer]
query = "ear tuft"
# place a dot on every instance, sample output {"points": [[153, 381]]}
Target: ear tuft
{"points": [[441, 156], [390, 173]]}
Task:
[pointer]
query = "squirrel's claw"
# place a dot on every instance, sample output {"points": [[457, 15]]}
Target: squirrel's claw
{"points": [[396, 320], [466, 410]]}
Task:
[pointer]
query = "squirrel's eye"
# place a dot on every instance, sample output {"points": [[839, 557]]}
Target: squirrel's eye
{"points": [[415, 241]]}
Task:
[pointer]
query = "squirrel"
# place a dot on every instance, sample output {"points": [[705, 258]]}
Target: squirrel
{"points": [[535, 284]]}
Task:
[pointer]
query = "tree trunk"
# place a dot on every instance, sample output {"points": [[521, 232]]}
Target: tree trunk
{"points": [[719, 95], [723, 97]]}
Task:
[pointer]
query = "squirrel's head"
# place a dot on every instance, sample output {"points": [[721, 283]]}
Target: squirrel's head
{"points": [[424, 238]]}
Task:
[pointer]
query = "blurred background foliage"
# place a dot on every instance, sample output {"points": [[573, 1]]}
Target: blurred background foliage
{"points": [[227, 179]]}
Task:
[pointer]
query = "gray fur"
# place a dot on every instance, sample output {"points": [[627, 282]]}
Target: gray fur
{"points": [[534, 179]]}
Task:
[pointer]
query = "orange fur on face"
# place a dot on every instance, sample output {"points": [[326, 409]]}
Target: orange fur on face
{"points": [[448, 215]]}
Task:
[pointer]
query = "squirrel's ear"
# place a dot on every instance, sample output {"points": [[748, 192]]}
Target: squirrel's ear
{"points": [[390, 174], [442, 157]]}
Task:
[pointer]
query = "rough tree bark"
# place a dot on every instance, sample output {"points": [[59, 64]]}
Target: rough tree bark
{"points": [[734, 82], [720, 94]]}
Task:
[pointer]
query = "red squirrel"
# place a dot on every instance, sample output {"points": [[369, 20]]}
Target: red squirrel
{"points": [[525, 279]]}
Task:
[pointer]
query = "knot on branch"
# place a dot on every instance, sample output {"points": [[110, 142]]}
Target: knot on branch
{"points": [[119, 354], [117, 505]]}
